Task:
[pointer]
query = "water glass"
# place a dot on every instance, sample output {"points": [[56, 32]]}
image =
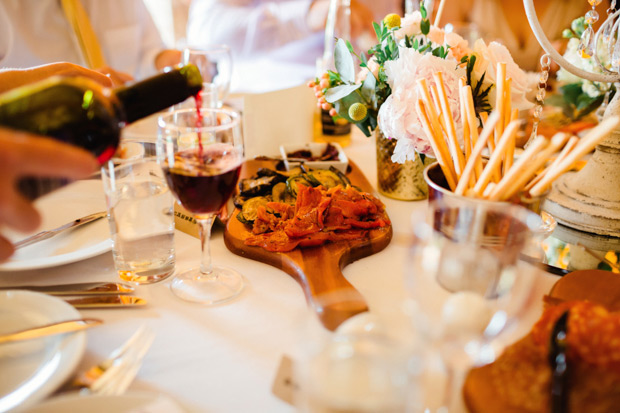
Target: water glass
{"points": [[363, 366], [140, 212], [215, 65], [466, 282]]}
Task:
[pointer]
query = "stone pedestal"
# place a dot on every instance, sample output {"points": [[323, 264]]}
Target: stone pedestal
{"points": [[589, 200]]}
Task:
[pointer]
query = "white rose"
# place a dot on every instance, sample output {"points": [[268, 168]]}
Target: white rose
{"points": [[492, 54]]}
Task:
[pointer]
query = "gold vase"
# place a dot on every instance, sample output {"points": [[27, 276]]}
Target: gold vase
{"points": [[404, 182]]}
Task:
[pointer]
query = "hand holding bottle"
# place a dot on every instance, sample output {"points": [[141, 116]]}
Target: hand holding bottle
{"points": [[23, 154], [13, 78]]}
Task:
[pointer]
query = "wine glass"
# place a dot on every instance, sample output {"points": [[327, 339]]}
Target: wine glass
{"points": [[201, 154], [215, 65], [466, 281]]}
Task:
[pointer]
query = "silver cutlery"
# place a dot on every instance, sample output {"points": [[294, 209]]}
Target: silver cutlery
{"points": [[91, 288], [106, 301], [53, 232], [114, 375], [61, 327]]}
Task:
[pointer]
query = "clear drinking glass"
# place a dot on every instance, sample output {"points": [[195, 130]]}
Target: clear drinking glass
{"points": [[466, 281], [201, 154], [363, 366], [215, 65], [140, 211]]}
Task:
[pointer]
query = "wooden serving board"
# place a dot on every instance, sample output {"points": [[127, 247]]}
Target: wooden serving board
{"points": [[317, 269]]}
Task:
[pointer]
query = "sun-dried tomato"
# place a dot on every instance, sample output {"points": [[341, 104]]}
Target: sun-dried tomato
{"points": [[319, 216]]}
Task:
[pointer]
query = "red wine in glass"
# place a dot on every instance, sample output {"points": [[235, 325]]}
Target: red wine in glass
{"points": [[198, 101], [203, 182]]}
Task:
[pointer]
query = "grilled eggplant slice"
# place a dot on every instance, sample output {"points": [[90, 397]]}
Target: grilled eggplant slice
{"points": [[327, 178], [249, 211]]}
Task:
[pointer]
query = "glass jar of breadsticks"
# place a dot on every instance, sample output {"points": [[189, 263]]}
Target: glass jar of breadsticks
{"points": [[463, 171]]}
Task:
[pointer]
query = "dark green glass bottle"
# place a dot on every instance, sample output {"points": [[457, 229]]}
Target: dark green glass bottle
{"points": [[81, 112]]}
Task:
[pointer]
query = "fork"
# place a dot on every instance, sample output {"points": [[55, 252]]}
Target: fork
{"points": [[114, 375]]}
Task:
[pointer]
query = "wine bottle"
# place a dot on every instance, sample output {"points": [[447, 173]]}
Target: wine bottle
{"points": [[81, 112]]}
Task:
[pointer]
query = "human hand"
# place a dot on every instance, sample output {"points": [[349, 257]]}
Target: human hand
{"points": [[12, 78], [23, 154], [167, 58], [117, 78]]}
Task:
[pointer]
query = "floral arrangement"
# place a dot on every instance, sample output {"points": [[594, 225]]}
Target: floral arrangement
{"points": [[576, 96], [383, 93]]}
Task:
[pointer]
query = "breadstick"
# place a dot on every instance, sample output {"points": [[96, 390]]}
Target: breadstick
{"points": [[507, 101], [473, 126], [464, 119], [586, 144], [557, 141], [485, 117], [572, 142], [496, 157], [424, 94], [440, 117], [437, 20], [536, 146], [500, 85], [453, 143], [510, 151], [443, 157], [489, 127], [435, 95], [488, 190]]}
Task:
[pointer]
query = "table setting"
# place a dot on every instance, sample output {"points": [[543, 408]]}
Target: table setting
{"points": [[216, 266]]}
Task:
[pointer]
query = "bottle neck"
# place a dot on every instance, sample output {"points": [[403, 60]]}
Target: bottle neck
{"points": [[158, 92], [337, 25]]}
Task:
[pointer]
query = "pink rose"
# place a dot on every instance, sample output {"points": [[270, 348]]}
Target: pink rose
{"points": [[459, 47], [398, 118], [409, 25], [436, 35], [373, 66]]}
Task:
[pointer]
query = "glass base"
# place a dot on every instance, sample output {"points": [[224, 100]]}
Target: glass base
{"points": [[221, 285]]}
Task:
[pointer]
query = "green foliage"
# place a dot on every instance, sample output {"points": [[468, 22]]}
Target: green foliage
{"points": [[576, 104], [577, 27], [343, 91], [480, 96], [344, 61]]}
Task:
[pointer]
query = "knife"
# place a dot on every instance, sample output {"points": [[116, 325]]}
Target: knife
{"points": [[53, 232], [107, 301], [61, 327], [92, 288]]}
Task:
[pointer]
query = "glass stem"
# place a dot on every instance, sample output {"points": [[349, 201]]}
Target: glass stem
{"points": [[206, 222]]}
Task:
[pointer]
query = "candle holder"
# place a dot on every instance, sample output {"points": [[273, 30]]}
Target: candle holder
{"points": [[589, 200]]}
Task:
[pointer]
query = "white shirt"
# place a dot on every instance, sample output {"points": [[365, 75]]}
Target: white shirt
{"points": [[35, 32], [266, 37]]}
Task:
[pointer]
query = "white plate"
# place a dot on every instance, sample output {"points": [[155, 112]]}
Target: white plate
{"points": [[136, 402], [76, 200], [33, 369]]}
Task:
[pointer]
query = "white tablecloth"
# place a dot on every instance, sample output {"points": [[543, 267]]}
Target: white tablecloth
{"points": [[224, 358]]}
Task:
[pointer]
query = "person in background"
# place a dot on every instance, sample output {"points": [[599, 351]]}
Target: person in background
{"points": [[36, 32], [506, 22], [253, 27], [23, 154], [270, 38]]}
